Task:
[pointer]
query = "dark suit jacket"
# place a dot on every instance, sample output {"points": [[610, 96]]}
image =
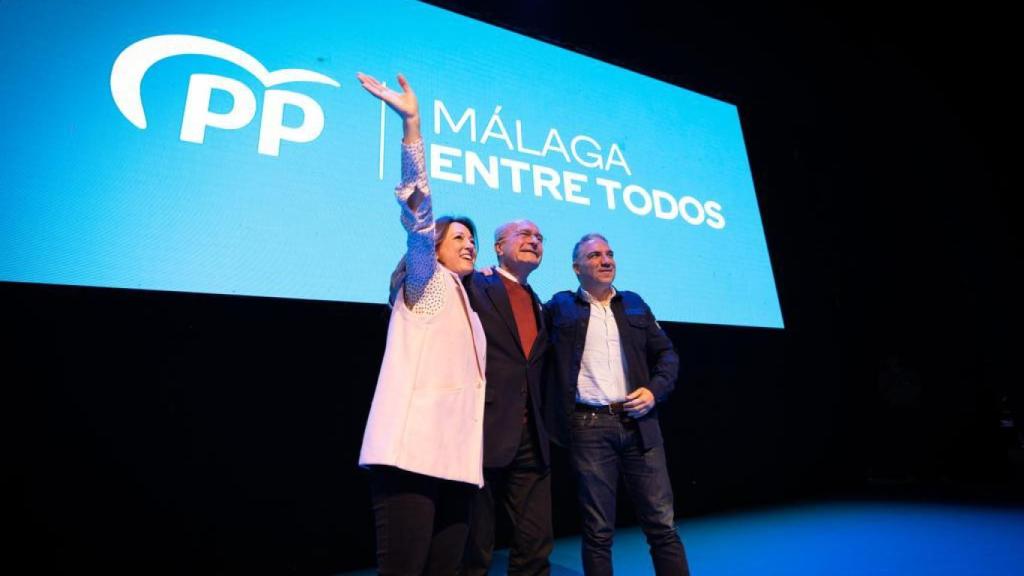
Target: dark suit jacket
{"points": [[511, 374], [651, 360]]}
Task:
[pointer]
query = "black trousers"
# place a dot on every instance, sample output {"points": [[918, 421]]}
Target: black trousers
{"points": [[524, 490], [421, 521]]}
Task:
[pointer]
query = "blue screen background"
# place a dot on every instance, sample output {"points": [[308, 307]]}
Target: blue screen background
{"points": [[87, 198]]}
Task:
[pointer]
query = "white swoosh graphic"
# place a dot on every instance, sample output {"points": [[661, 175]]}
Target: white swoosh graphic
{"points": [[133, 62]]}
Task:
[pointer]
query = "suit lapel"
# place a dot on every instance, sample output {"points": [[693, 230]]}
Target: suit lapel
{"points": [[495, 290], [542, 335]]}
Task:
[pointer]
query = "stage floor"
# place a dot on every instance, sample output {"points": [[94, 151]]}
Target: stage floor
{"points": [[828, 539]]}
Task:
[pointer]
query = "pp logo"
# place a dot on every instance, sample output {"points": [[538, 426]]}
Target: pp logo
{"points": [[133, 62]]}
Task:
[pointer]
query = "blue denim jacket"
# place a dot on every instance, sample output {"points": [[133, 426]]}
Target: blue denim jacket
{"points": [[651, 359]]}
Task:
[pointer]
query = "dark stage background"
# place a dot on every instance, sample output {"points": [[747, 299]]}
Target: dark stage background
{"points": [[168, 432]]}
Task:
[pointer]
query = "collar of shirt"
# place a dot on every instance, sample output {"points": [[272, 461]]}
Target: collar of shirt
{"points": [[506, 274], [586, 296]]}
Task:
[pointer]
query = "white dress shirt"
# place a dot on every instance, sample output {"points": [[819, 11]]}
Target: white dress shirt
{"points": [[602, 378]]}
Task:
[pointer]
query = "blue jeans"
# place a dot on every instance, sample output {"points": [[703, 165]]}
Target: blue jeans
{"points": [[605, 446]]}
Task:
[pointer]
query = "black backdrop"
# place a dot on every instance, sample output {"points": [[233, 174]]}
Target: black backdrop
{"points": [[172, 432]]}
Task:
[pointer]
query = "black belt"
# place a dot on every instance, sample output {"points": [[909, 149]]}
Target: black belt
{"points": [[615, 408]]}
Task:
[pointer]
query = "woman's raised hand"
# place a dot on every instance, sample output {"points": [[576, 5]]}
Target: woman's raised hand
{"points": [[404, 102]]}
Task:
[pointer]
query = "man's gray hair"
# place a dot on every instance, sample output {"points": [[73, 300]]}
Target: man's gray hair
{"points": [[501, 231], [586, 238]]}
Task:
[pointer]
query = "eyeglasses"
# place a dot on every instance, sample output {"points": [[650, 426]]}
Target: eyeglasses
{"points": [[529, 233]]}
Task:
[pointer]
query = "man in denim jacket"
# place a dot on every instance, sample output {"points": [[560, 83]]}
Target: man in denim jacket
{"points": [[612, 364]]}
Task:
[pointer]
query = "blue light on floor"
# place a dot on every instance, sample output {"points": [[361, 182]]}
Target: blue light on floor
{"points": [[829, 539]]}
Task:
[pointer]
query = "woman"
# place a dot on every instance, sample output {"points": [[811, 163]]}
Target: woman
{"points": [[424, 437]]}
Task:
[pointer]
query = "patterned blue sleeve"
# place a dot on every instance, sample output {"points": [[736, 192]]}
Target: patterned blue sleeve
{"points": [[424, 276]]}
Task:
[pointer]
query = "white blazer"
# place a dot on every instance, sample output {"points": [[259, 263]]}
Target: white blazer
{"points": [[428, 408]]}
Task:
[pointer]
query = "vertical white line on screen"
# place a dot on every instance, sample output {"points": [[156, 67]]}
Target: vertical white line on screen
{"points": [[380, 174]]}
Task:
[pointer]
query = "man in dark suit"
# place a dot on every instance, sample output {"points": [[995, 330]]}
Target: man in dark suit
{"points": [[516, 452], [611, 365]]}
